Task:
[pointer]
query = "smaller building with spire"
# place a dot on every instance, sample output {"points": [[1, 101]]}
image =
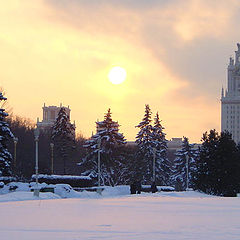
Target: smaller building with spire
{"points": [[50, 114]]}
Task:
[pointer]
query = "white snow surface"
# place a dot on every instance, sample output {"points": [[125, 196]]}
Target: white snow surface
{"points": [[117, 215], [22, 196], [60, 177], [60, 191]]}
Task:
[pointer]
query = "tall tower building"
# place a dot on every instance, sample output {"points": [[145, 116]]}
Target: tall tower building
{"points": [[230, 99], [50, 115]]}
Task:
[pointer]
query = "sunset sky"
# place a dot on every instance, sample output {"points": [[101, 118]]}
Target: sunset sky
{"points": [[175, 54]]}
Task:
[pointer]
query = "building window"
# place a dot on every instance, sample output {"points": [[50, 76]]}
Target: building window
{"points": [[52, 114]]}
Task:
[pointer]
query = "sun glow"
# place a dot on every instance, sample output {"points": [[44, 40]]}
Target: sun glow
{"points": [[117, 75]]}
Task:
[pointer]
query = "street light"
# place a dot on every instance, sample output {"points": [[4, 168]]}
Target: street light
{"points": [[154, 164], [36, 135], [99, 167], [52, 145], [99, 190], [187, 163], [15, 141]]}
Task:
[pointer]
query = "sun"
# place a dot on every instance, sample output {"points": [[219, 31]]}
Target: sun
{"points": [[117, 75]]}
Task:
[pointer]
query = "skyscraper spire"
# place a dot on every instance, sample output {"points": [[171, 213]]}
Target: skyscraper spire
{"points": [[230, 100], [237, 55]]}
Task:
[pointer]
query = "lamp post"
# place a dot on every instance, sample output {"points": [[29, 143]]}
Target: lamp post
{"points": [[154, 164], [15, 141], [36, 138], [187, 163], [52, 145], [99, 167]]}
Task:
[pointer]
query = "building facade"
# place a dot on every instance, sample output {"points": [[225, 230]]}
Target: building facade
{"points": [[50, 114], [230, 99]]}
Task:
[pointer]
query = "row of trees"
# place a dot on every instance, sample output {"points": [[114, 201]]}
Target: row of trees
{"points": [[151, 143], [218, 166], [67, 149], [121, 164], [213, 168]]}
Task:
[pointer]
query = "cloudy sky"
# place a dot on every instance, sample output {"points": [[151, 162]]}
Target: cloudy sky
{"points": [[175, 53]]}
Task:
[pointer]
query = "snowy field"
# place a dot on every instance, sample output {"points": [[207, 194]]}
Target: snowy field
{"points": [[182, 215]]}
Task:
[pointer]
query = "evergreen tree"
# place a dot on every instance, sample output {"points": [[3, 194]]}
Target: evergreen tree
{"points": [[23, 129], [218, 168], [159, 142], [130, 164], [63, 136], [5, 135], [144, 155], [207, 155], [151, 141], [184, 163], [110, 141]]}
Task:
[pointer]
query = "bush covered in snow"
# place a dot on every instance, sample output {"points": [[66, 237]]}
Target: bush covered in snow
{"points": [[62, 190], [7, 179], [74, 181], [147, 188]]}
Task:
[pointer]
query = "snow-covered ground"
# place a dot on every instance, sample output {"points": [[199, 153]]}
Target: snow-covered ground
{"points": [[115, 215], [22, 191]]}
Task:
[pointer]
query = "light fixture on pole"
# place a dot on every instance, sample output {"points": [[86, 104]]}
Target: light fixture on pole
{"points": [[15, 141], [187, 170], [52, 145], [154, 164], [36, 138], [99, 166], [99, 190]]}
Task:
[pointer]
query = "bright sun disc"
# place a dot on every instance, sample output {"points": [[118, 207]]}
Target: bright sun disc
{"points": [[117, 75]]}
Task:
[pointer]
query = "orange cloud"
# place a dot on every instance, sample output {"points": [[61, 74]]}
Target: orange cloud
{"points": [[53, 55]]}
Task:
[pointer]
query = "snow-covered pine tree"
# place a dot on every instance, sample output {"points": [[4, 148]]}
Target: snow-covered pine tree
{"points": [[218, 165], [187, 155], [159, 142], [63, 135], [113, 166], [144, 155], [5, 135]]}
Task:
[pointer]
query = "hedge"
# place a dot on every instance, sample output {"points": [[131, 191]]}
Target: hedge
{"points": [[74, 181]]}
